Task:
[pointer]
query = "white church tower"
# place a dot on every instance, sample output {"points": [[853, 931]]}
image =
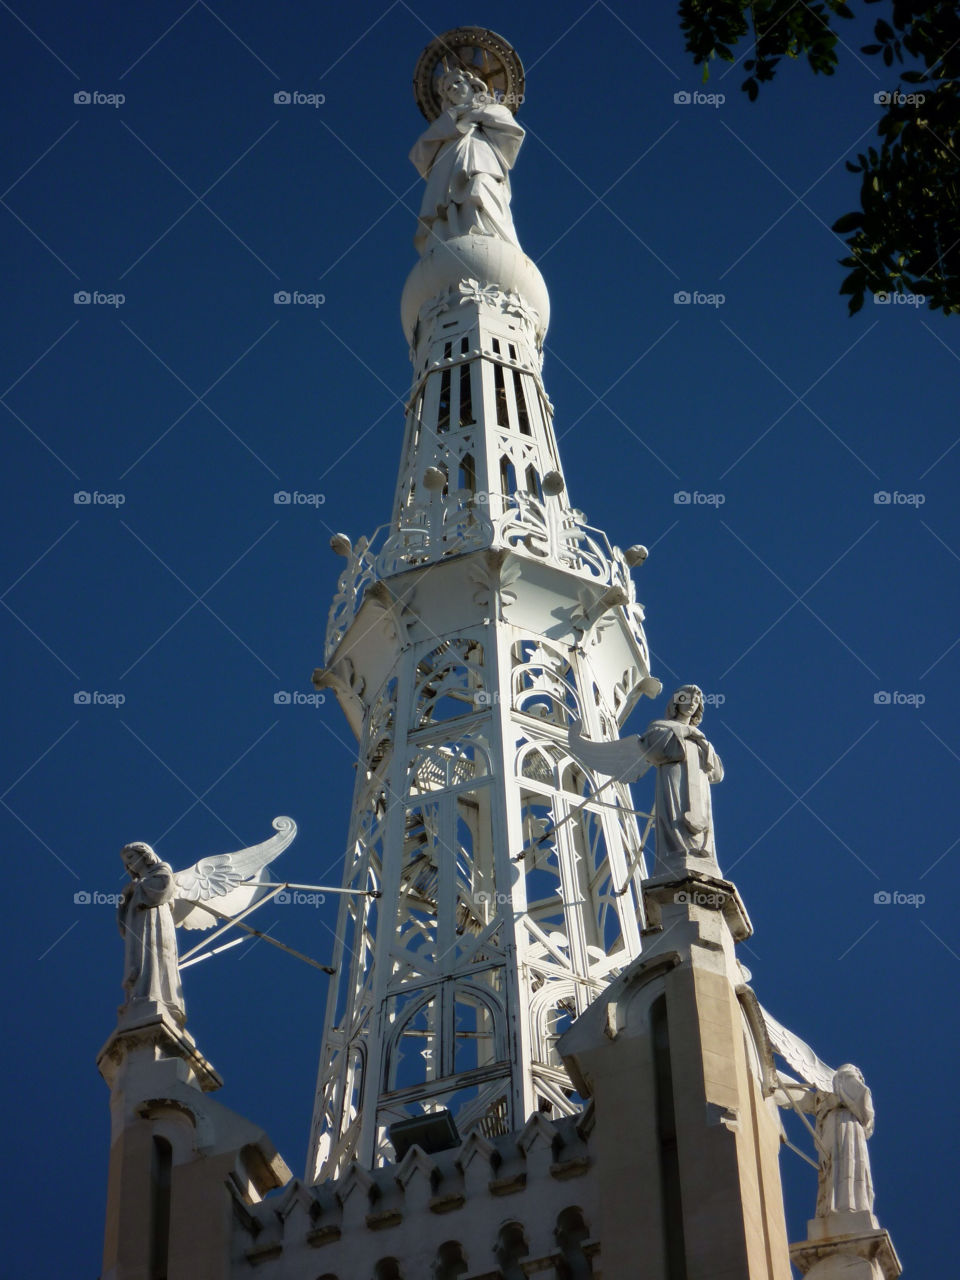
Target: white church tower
{"points": [[541, 1054], [465, 638]]}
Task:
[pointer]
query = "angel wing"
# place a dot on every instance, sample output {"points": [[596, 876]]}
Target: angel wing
{"points": [[797, 1054], [230, 882], [624, 759]]}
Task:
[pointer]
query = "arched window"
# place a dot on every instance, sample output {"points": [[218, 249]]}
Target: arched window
{"points": [[450, 1261], [511, 1246], [387, 1269], [571, 1231]]}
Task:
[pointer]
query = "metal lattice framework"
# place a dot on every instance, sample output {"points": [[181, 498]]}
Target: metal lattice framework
{"points": [[464, 639]]}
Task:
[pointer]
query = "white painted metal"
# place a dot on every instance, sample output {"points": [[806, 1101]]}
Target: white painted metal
{"points": [[464, 638]]}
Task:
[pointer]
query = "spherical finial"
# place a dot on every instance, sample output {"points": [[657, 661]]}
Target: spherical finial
{"points": [[553, 484], [635, 555], [341, 544], [482, 53], [434, 479]]}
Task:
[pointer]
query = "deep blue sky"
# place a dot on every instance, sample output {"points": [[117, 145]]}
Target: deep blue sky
{"points": [[797, 600]]}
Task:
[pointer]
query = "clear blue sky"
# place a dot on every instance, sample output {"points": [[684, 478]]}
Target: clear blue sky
{"points": [[798, 599]]}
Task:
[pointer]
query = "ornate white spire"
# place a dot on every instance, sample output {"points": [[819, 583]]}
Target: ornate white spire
{"points": [[465, 638]]}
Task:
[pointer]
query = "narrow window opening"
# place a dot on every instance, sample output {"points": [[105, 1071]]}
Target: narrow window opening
{"points": [[533, 483], [495, 346], [443, 412], [674, 1249], [464, 345], [500, 390], [513, 351], [508, 476], [466, 394], [161, 1166], [521, 404], [468, 473]]}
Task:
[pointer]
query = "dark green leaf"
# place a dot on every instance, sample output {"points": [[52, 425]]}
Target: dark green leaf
{"points": [[849, 222]]}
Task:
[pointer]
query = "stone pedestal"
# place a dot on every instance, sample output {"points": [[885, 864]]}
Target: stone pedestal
{"points": [[846, 1246], [181, 1165], [669, 899], [687, 1141], [152, 1047]]}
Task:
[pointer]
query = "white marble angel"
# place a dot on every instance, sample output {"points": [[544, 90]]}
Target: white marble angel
{"points": [[158, 900], [843, 1109], [686, 765], [466, 155], [844, 1123]]}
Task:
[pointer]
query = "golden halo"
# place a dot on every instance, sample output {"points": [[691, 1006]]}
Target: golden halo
{"points": [[477, 50]]}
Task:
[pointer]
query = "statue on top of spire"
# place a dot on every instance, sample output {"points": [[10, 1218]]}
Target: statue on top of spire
{"points": [[466, 155]]}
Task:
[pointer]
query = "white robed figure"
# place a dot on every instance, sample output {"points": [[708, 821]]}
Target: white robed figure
{"points": [[466, 155], [844, 1123], [686, 765], [158, 900]]}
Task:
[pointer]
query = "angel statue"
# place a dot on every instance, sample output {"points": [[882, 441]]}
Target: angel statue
{"points": [[686, 767], [844, 1123], [158, 900], [843, 1109], [466, 155]]}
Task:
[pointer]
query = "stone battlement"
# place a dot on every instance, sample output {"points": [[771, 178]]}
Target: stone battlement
{"points": [[502, 1206]]}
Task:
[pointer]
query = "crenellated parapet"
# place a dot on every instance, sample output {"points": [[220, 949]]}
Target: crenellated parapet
{"points": [[508, 1205]]}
